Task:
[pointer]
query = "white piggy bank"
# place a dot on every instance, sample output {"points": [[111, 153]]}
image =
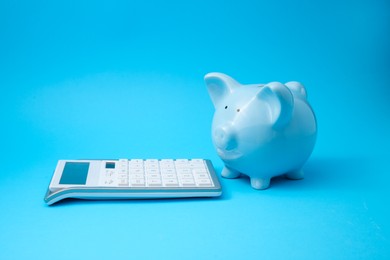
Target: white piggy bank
{"points": [[261, 130]]}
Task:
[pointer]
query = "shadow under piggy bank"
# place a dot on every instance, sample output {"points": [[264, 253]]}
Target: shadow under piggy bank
{"points": [[329, 173]]}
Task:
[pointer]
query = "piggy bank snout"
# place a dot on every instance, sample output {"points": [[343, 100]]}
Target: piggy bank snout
{"points": [[225, 138]]}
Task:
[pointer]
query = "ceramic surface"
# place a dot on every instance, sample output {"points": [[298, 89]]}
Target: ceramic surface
{"points": [[261, 130]]}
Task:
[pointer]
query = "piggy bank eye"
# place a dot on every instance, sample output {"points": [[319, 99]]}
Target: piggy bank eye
{"points": [[226, 107]]}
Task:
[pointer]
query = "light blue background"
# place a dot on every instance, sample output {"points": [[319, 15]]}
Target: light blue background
{"points": [[114, 79]]}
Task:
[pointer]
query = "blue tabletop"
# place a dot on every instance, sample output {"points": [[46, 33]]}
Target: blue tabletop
{"points": [[124, 79]]}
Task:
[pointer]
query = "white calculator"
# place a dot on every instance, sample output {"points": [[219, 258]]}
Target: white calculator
{"points": [[133, 179]]}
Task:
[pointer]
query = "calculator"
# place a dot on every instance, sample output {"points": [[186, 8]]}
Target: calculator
{"points": [[133, 179]]}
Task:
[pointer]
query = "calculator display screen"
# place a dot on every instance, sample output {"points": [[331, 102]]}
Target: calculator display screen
{"points": [[75, 173]]}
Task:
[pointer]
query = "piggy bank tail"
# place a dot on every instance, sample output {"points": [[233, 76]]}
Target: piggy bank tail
{"points": [[297, 89]]}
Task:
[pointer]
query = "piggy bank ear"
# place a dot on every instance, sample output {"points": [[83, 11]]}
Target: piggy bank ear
{"points": [[297, 89], [280, 102], [219, 86]]}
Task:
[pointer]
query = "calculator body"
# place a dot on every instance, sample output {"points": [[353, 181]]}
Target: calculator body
{"points": [[133, 179]]}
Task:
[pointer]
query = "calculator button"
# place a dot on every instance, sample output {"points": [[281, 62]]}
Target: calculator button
{"points": [[136, 161], [187, 182], [203, 182], [137, 182], [195, 166], [169, 176], [197, 161], [136, 171], [199, 170], [201, 176], [152, 171], [185, 176], [153, 176], [151, 161], [136, 176], [201, 161], [123, 161], [151, 166], [167, 161], [179, 161], [167, 166], [122, 165], [122, 171], [168, 171], [154, 182], [122, 176], [136, 164], [184, 171], [123, 182], [171, 182]]}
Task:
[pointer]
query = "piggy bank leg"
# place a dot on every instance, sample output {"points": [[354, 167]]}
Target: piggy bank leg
{"points": [[260, 183], [295, 175], [229, 173]]}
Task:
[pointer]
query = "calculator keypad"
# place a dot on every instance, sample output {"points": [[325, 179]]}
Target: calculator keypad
{"points": [[156, 173]]}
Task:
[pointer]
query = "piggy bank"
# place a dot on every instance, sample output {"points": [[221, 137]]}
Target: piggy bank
{"points": [[261, 130]]}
